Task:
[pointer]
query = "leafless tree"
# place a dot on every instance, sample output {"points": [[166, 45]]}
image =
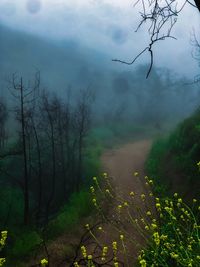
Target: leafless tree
{"points": [[161, 16], [26, 96], [82, 118], [50, 112], [3, 119]]}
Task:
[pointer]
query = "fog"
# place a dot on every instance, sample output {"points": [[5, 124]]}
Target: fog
{"points": [[63, 101], [72, 44]]}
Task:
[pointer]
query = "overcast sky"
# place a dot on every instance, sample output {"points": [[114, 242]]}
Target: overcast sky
{"points": [[104, 25]]}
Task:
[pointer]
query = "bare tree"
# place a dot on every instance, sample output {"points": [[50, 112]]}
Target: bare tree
{"points": [[25, 96], [49, 108], [3, 119], [82, 118], [161, 15]]}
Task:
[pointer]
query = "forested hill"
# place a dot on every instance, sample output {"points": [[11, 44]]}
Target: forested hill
{"points": [[64, 64], [61, 63]]}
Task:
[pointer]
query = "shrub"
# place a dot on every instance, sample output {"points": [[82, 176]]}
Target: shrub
{"points": [[169, 227]]}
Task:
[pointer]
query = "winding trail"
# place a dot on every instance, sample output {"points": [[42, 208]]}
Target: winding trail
{"points": [[120, 164]]}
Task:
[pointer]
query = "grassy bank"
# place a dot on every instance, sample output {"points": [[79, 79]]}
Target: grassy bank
{"points": [[173, 160], [24, 242]]}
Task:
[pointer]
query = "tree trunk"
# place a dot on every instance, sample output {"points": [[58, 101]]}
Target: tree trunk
{"points": [[26, 182]]}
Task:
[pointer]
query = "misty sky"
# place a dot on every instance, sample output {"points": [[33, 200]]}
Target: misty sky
{"points": [[104, 25]]}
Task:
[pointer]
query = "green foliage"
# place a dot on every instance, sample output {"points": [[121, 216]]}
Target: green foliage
{"points": [[26, 241], [154, 166], [174, 160], [175, 240], [116, 133], [92, 154], [11, 211], [168, 227], [78, 206]]}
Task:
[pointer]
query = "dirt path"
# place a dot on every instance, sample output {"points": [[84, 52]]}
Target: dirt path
{"points": [[120, 164]]}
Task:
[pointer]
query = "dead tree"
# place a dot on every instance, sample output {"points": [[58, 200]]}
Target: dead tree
{"points": [[82, 118], [161, 15], [3, 119], [34, 138], [50, 111], [25, 95]]}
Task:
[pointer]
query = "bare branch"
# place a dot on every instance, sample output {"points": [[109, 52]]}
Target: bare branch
{"points": [[161, 15]]}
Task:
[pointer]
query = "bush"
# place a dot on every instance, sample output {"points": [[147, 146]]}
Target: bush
{"points": [[172, 161], [78, 206], [26, 242], [165, 231]]}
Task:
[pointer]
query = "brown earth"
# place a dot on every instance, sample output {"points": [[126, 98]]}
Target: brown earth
{"points": [[120, 163]]}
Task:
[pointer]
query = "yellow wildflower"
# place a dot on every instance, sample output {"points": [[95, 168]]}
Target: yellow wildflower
{"points": [[174, 255], [156, 238], [121, 237], [87, 226], [114, 245], [84, 252], [44, 262], [180, 200], [2, 261], [154, 226], [92, 189], [143, 263]]}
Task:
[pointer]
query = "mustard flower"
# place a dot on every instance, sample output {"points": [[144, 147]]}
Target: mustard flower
{"points": [[44, 262], [2, 261], [143, 263], [121, 237], [174, 255], [156, 238]]}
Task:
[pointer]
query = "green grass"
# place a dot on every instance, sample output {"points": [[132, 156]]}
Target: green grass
{"points": [[173, 161], [70, 215], [154, 165], [25, 241]]}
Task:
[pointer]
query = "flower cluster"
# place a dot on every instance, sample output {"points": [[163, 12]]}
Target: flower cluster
{"points": [[44, 262], [4, 235]]}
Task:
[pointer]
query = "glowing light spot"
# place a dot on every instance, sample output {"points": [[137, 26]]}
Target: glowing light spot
{"points": [[33, 6]]}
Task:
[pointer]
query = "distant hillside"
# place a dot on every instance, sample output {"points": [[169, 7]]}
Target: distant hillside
{"points": [[121, 93], [60, 63]]}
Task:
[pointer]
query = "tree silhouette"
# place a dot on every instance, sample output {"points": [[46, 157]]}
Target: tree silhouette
{"points": [[161, 16]]}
